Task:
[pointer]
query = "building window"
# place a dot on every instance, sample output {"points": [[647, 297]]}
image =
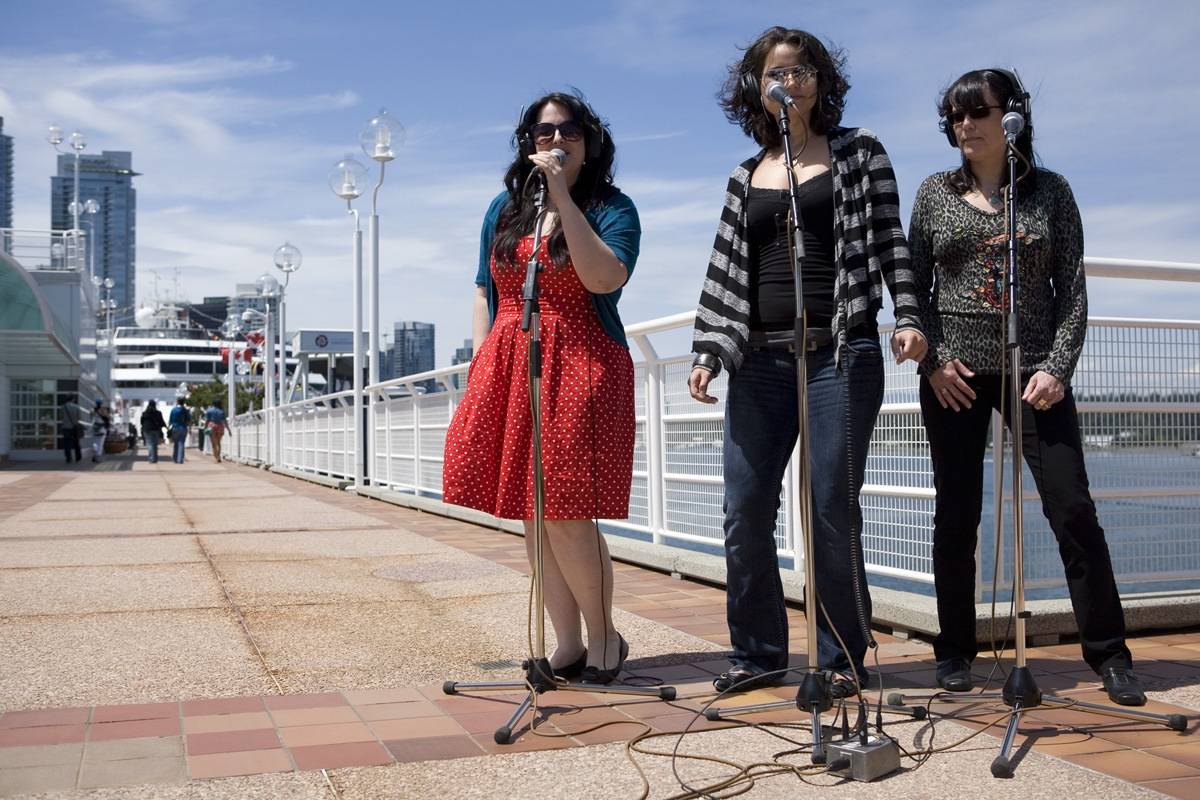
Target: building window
{"points": [[35, 414]]}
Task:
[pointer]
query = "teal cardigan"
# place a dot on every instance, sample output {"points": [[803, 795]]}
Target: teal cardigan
{"points": [[615, 220]]}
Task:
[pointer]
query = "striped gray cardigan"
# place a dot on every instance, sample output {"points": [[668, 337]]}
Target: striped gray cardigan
{"points": [[869, 248]]}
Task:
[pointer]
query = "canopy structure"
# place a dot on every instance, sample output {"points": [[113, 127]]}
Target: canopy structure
{"points": [[30, 334]]}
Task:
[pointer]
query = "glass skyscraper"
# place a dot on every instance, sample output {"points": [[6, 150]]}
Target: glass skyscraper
{"points": [[6, 178], [412, 351], [106, 178]]}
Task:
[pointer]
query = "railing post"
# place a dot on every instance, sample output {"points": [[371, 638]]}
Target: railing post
{"points": [[655, 441], [417, 477], [793, 532], [387, 441], [997, 507]]}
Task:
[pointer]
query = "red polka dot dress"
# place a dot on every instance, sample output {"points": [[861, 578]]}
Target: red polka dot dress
{"points": [[587, 407]]}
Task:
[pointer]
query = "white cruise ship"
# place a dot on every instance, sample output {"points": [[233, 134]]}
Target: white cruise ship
{"points": [[152, 358]]}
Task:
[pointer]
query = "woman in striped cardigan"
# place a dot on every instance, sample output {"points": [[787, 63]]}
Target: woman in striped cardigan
{"points": [[854, 243]]}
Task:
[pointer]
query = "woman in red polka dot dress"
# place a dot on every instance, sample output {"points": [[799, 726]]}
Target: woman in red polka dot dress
{"points": [[590, 243]]}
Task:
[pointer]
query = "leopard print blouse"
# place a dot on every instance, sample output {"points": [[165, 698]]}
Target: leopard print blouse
{"points": [[959, 255]]}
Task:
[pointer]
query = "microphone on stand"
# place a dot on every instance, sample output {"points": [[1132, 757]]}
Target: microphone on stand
{"points": [[1013, 124], [777, 92]]}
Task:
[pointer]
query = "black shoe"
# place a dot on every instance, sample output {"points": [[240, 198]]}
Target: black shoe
{"points": [[606, 676], [954, 675], [570, 672], [1123, 686], [842, 685], [741, 678]]}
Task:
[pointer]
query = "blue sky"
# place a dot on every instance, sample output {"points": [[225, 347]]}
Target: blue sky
{"points": [[235, 112]]}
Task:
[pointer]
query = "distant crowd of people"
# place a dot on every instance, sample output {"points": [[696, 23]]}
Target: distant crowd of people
{"points": [[75, 421]]}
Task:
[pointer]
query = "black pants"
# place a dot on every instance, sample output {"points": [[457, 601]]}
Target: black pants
{"points": [[1054, 453], [70, 440]]}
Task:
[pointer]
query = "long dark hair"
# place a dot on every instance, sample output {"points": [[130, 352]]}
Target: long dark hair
{"points": [[968, 92], [749, 113], [593, 186]]}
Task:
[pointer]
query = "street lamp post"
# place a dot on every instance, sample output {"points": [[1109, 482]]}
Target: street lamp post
{"points": [[379, 140], [287, 260], [105, 301], [253, 316], [109, 304], [268, 287], [231, 329], [77, 142], [348, 179], [90, 208]]}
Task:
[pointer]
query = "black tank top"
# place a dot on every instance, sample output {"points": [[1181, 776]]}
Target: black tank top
{"points": [[772, 294]]}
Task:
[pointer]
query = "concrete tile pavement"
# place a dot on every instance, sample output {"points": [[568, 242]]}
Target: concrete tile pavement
{"points": [[393, 595]]}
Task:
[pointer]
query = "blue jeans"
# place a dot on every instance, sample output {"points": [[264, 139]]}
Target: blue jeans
{"points": [[761, 428], [152, 438], [179, 439]]}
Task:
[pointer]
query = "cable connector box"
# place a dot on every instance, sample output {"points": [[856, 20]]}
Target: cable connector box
{"points": [[852, 759]]}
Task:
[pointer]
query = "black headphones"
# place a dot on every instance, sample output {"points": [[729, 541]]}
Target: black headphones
{"points": [[594, 132], [1018, 101], [751, 92]]}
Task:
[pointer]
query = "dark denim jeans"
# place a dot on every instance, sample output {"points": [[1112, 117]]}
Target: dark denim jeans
{"points": [[179, 440], [761, 428]]}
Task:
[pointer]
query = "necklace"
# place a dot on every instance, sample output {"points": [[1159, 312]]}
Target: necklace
{"points": [[796, 156], [994, 197]]}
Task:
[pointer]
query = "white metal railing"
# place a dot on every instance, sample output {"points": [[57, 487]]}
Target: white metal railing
{"points": [[49, 250], [1137, 388]]}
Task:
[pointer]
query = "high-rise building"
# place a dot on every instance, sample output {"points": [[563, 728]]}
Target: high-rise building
{"points": [[106, 178], [6, 178], [462, 355], [245, 296], [209, 315], [412, 351]]}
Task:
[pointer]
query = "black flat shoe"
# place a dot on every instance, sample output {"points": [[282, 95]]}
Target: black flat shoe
{"points": [[606, 676], [1123, 686], [743, 679], [570, 672], [954, 675], [842, 685]]}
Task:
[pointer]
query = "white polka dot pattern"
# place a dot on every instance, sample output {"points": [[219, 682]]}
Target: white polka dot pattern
{"points": [[588, 421]]}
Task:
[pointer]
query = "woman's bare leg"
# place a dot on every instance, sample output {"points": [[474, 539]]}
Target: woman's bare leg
{"points": [[581, 556], [560, 604]]}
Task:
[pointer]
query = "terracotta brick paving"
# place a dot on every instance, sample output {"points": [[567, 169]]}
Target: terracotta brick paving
{"points": [[219, 737]]}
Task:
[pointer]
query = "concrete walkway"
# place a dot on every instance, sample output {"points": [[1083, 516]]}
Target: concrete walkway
{"points": [[212, 630]]}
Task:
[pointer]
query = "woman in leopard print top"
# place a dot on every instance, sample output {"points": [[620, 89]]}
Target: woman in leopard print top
{"points": [[958, 240]]}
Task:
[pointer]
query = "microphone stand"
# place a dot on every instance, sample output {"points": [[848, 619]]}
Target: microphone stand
{"points": [[813, 695], [1021, 691], [539, 675]]}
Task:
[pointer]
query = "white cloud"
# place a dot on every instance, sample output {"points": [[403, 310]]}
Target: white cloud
{"points": [[234, 162]]}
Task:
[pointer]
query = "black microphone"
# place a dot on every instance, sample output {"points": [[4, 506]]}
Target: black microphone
{"points": [[1013, 124], [777, 92]]}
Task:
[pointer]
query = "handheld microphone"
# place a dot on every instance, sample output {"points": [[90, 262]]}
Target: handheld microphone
{"points": [[561, 155], [1013, 124], [777, 92]]}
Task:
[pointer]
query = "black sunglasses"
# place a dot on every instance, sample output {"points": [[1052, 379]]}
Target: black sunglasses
{"points": [[978, 112], [543, 132]]}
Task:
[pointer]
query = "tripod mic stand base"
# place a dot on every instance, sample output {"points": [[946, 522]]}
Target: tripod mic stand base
{"points": [[539, 679], [1021, 693], [1021, 690]]}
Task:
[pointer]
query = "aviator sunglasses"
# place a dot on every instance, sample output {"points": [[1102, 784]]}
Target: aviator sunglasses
{"points": [[543, 132]]}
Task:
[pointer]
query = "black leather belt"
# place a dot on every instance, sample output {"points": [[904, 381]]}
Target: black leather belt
{"points": [[785, 340]]}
